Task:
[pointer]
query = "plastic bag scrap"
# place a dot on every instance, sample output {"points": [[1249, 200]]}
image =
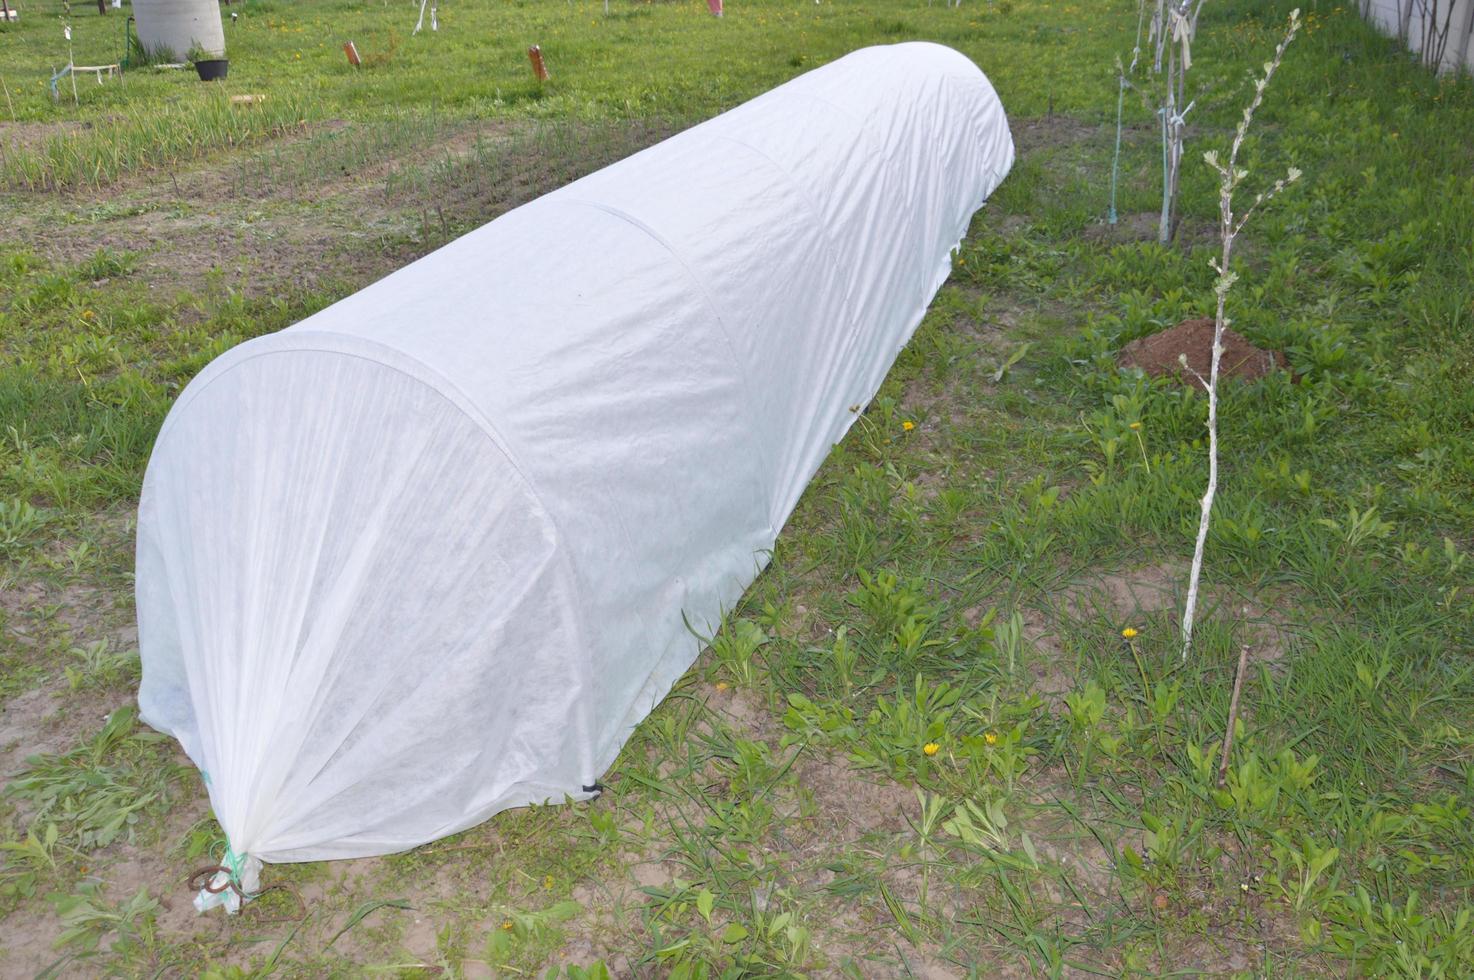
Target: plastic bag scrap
{"points": [[236, 882]]}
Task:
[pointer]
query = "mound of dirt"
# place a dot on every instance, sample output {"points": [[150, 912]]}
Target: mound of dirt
{"points": [[1160, 353]]}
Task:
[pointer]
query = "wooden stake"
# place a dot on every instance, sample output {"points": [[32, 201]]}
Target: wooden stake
{"points": [[1233, 715], [352, 52], [539, 69]]}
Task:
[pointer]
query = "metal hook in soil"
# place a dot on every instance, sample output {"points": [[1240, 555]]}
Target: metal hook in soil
{"points": [[203, 880]]}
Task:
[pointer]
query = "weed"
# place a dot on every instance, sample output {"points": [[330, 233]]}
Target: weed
{"points": [[99, 792], [19, 524], [735, 649], [27, 862], [100, 666]]}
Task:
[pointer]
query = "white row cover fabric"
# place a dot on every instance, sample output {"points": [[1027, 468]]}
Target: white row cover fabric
{"points": [[430, 553]]}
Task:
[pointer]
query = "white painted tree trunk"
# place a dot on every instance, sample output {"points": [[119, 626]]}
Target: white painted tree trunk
{"points": [[173, 28]]}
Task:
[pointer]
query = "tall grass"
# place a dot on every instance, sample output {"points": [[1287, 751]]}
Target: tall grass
{"points": [[150, 137], [339, 150], [501, 170]]}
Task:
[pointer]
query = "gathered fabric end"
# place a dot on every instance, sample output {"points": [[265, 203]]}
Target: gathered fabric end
{"points": [[231, 883]]}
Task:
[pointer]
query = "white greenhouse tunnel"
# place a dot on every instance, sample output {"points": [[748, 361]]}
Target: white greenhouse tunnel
{"points": [[171, 29], [433, 552]]}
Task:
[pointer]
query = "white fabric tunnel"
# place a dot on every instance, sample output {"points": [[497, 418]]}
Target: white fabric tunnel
{"points": [[431, 552]]}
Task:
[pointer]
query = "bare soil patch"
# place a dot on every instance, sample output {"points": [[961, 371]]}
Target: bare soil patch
{"points": [[31, 724], [1154, 594], [849, 803], [1128, 594], [287, 218], [1054, 670], [1160, 354], [29, 135], [1053, 130], [1145, 226], [1138, 226]]}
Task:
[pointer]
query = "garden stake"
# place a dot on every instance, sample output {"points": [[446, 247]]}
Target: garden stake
{"points": [[352, 52], [1233, 715], [1116, 160], [71, 60], [1121, 74], [540, 70]]}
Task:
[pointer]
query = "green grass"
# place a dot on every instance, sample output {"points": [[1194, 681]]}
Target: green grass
{"points": [[959, 583], [646, 59]]}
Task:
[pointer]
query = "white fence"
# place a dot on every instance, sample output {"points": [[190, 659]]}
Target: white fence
{"points": [[1440, 31]]}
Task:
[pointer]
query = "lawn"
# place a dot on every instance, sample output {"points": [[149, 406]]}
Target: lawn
{"points": [[958, 575]]}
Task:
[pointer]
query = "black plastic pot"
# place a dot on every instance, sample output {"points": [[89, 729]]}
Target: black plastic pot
{"points": [[212, 68]]}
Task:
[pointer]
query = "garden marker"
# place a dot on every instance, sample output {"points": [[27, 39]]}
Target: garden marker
{"points": [[352, 52], [540, 70]]}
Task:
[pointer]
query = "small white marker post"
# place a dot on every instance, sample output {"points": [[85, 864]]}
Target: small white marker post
{"points": [[67, 31]]}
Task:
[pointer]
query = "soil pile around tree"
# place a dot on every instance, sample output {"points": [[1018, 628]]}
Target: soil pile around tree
{"points": [[1160, 353]]}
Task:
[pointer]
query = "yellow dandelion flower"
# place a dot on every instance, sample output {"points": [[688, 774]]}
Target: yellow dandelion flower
{"points": [[908, 425], [1129, 633], [507, 925], [722, 685], [1136, 426], [931, 748], [991, 738]]}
